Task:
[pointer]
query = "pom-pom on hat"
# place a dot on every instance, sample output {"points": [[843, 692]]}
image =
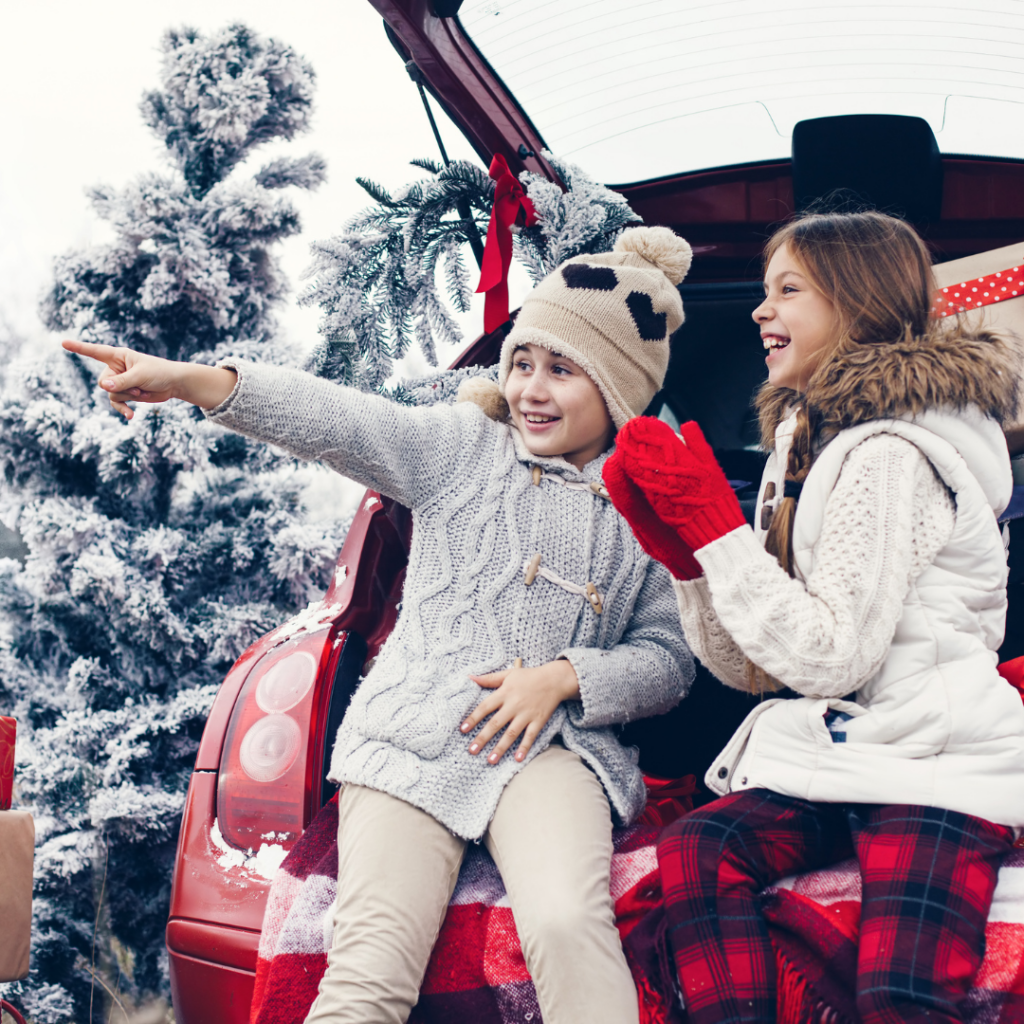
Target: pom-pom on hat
{"points": [[612, 314]]}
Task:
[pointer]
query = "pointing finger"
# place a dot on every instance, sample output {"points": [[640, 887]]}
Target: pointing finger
{"points": [[104, 353]]}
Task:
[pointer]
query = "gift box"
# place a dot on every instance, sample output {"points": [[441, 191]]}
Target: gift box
{"points": [[17, 842], [8, 729], [987, 290]]}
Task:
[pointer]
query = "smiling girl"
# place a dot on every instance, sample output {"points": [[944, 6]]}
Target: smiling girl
{"points": [[873, 587], [517, 558]]}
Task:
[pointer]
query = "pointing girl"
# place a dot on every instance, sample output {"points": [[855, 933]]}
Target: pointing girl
{"points": [[516, 554]]}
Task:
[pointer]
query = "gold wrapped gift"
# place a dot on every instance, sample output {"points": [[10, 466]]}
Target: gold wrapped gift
{"points": [[17, 841]]}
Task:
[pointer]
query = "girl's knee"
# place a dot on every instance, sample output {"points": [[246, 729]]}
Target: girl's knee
{"points": [[564, 923], [720, 844], [690, 852], [700, 827]]}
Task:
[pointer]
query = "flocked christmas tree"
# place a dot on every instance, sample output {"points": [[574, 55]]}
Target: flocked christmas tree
{"points": [[377, 281], [158, 549]]}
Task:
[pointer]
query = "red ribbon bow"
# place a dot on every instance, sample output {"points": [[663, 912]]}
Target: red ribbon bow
{"points": [[511, 207]]}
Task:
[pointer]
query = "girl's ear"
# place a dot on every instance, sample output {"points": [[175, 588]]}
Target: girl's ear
{"points": [[486, 394]]}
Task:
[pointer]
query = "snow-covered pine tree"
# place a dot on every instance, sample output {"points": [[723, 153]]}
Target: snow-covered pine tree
{"points": [[377, 281], [157, 549]]}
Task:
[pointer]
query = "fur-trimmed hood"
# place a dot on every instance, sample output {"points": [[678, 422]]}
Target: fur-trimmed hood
{"points": [[943, 370]]}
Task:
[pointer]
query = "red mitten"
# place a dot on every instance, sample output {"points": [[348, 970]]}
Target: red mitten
{"points": [[683, 482], [659, 540]]}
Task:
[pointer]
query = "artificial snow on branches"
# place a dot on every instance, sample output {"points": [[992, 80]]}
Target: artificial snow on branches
{"points": [[157, 549], [377, 283], [223, 96], [190, 270], [586, 217], [437, 388]]}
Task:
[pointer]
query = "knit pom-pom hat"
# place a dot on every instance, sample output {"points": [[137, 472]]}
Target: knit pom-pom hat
{"points": [[612, 314]]}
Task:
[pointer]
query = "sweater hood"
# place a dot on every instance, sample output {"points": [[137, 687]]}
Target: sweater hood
{"points": [[950, 370], [963, 386], [979, 440]]}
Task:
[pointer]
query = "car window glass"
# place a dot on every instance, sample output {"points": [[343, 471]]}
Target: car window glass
{"points": [[640, 89]]}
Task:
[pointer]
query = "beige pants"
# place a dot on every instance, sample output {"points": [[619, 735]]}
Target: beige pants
{"points": [[397, 866]]}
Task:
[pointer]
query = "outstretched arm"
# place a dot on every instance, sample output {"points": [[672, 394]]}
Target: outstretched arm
{"points": [[132, 376], [409, 454]]}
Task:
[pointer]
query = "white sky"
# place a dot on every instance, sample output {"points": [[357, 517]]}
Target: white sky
{"points": [[72, 75]]}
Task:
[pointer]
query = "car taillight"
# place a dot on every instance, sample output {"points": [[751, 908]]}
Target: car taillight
{"points": [[270, 748], [263, 786]]}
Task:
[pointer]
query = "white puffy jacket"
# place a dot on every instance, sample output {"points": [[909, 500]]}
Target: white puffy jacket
{"points": [[935, 724]]}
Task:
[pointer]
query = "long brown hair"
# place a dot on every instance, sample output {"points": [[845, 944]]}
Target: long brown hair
{"points": [[876, 272]]}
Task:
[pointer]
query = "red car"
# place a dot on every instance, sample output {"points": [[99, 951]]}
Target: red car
{"points": [[645, 93]]}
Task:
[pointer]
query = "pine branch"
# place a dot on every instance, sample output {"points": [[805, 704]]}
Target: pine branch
{"points": [[377, 192], [426, 164], [393, 254]]}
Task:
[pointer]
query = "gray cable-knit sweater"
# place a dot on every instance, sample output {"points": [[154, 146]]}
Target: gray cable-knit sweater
{"points": [[478, 520]]}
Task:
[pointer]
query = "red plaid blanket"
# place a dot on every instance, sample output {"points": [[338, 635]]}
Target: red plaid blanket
{"points": [[813, 920], [477, 974]]}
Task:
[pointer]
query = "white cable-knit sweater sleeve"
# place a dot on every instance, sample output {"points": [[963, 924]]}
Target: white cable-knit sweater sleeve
{"points": [[709, 640], [884, 522]]}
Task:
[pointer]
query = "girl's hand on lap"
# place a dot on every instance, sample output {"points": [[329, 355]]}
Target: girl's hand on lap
{"points": [[522, 701], [136, 377]]}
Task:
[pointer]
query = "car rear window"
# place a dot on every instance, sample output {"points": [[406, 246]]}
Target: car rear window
{"points": [[639, 89]]}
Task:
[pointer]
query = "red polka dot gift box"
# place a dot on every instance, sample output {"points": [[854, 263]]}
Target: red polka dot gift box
{"points": [[987, 290]]}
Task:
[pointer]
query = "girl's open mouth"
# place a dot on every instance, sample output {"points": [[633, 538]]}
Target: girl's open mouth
{"points": [[535, 421], [774, 342]]}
